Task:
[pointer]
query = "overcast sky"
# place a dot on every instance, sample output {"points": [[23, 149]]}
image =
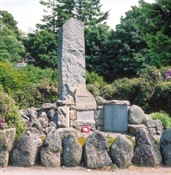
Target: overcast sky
{"points": [[29, 12]]}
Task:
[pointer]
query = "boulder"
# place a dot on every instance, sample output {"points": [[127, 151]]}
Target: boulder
{"points": [[165, 147], [63, 132], [62, 118], [159, 127], [72, 151], [133, 129], [41, 123], [26, 151], [100, 100], [96, 151], [32, 114], [7, 137], [122, 151], [136, 115], [146, 152], [51, 114], [51, 150]]}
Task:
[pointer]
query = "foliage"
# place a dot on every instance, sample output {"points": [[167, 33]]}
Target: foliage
{"points": [[11, 79], [97, 39], [2, 123], [107, 91], [126, 89], [11, 49], [36, 74], [94, 89], [161, 98], [154, 25], [9, 22], [163, 117], [94, 78], [42, 45], [59, 11], [9, 112], [128, 48], [29, 86]]}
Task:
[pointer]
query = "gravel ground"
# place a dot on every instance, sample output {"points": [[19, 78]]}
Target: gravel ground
{"points": [[83, 171]]}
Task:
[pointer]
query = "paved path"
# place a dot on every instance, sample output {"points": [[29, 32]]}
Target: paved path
{"points": [[82, 171]]}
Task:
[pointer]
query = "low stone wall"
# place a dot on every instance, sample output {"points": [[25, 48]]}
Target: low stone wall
{"points": [[48, 142], [95, 150], [67, 147]]}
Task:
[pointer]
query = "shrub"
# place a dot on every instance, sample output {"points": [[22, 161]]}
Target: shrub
{"points": [[36, 74], [94, 89], [126, 89], [94, 78], [163, 117], [161, 98], [107, 92], [11, 79], [9, 114]]}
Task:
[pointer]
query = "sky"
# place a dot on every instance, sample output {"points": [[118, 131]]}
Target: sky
{"points": [[29, 12]]}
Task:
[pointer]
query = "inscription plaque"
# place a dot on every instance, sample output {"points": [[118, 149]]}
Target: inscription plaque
{"points": [[85, 115], [116, 118]]}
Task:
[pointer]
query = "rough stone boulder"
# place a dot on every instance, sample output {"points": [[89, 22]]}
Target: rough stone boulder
{"points": [[122, 151], [63, 132], [159, 127], [7, 138], [95, 151], [41, 123], [26, 151], [72, 151], [52, 115], [62, 120], [165, 147], [136, 115], [133, 129], [146, 152], [32, 114], [51, 150]]}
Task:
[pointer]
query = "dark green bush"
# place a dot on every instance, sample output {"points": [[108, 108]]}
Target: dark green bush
{"points": [[161, 98]]}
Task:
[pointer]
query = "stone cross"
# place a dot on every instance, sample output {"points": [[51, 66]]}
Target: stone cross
{"points": [[71, 58]]}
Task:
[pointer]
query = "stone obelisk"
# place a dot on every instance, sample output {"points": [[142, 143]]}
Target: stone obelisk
{"points": [[71, 58]]}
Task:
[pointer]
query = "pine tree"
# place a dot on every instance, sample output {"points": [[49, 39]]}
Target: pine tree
{"points": [[59, 11]]}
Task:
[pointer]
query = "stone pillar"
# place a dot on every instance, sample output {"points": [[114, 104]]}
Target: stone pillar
{"points": [[71, 58]]}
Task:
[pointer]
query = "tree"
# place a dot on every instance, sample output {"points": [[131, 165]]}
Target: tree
{"points": [[128, 47], [10, 48], [155, 26], [59, 11], [97, 42], [42, 45], [8, 20]]}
